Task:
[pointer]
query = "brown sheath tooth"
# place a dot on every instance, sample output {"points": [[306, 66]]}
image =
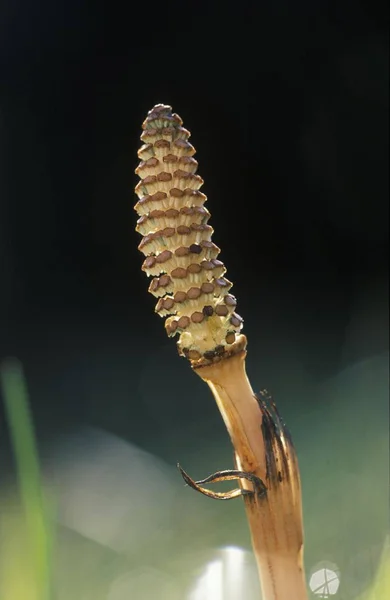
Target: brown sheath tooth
{"points": [[160, 286], [159, 183], [208, 287], [159, 219], [230, 337], [197, 317], [148, 167], [194, 293], [183, 147], [171, 326], [188, 163], [180, 297], [230, 300], [161, 148], [182, 251], [221, 310], [183, 229], [185, 284], [166, 306], [170, 133], [176, 199], [148, 263], [161, 116], [174, 325], [188, 307], [179, 273], [236, 320], [183, 322], [169, 238], [170, 158], [182, 133], [150, 202], [157, 110], [164, 256], [159, 144], [194, 268], [145, 152], [168, 163]]}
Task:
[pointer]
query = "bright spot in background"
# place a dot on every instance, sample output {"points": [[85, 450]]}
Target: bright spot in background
{"points": [[231, 575], [140, 583], [325, 581]]}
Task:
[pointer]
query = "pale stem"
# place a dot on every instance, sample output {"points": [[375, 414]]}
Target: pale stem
{"points": [[275, 520]]}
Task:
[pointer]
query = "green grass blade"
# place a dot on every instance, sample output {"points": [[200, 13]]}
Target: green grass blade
{"points": [[37, 538]]}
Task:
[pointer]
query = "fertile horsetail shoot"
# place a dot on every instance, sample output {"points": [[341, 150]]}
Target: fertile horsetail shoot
{"points": [[194, 297]]}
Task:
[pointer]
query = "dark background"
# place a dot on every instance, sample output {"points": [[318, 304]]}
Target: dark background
{"points": [[287, 103]]}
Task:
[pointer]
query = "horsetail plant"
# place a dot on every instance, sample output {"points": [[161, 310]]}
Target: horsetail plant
{"points": [[194, 296]]}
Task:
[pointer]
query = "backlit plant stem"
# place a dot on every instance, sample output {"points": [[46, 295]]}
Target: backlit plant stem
{"points": [[194, 295], [262, 446]]}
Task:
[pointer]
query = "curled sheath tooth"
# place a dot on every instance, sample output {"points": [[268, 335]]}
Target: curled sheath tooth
{"points": [[188, 278]]}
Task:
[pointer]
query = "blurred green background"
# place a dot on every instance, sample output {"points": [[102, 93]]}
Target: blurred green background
{"points": [[124, 526]]}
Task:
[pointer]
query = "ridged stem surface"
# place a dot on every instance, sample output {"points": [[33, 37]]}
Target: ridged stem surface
{"points": [[262, 447]]}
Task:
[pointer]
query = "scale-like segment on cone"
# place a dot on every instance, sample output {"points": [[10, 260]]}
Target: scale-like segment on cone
{"points": [[188, 279]]}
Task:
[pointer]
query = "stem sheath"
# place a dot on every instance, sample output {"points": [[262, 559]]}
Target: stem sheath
{"points": [[263, 447]]}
